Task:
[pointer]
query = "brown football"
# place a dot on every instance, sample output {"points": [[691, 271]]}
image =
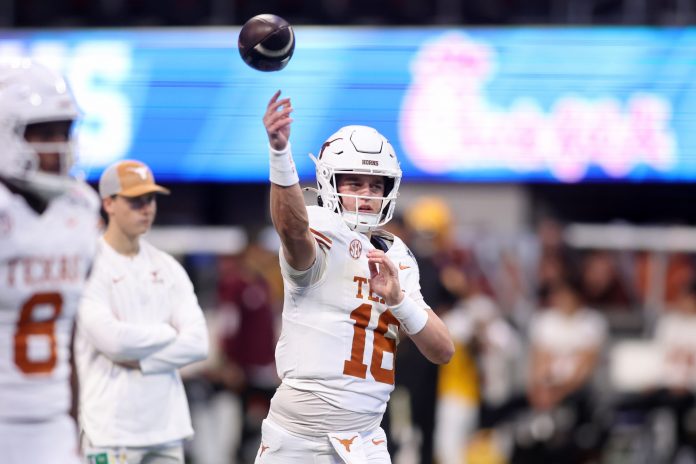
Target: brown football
{"points": [[266, 42]]}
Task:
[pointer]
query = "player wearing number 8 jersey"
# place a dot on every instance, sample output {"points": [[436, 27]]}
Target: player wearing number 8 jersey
{"points": [[350, 288], [48, 234]]}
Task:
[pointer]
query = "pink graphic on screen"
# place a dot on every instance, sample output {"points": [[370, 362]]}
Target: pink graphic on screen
{"points": [[447, 125]]}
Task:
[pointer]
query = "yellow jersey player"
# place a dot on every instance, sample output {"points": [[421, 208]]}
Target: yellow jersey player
{"points": [[350, 289], [48, 234]]}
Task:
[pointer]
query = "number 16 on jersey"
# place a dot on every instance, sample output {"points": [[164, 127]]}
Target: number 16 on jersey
{"points": [[383, 342]]}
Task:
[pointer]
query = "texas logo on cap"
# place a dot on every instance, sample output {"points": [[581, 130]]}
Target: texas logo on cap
{"points": [[128, 178]]}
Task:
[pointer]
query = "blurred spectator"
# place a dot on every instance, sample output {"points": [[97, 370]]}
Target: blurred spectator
{"points": [[261, 257], [555, 261], [676, 341], [480, 371], [676, 336], [680, 272], [603, 287], [674, 270], [566, 342], [216, 410], [237, 387], [427, 225], [515, 291], [458, 388], [248, 336]]}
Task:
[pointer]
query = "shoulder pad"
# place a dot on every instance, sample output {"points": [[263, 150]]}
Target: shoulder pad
{"points": [[322, 219], [401, 247], [82, 195]]}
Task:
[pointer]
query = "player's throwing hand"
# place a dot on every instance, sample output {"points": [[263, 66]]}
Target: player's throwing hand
{"points": [[277, 121]]}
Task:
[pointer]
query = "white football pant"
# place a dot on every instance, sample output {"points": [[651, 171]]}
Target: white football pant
{"points": [[280, 447], [52, 441]]}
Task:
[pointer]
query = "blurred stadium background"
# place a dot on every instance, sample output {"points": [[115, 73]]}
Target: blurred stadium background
{"points": [[549, 161]]}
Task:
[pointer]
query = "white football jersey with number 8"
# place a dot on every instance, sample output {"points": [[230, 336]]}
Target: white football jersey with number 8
{"points": [[338, 338], [44, 260]]}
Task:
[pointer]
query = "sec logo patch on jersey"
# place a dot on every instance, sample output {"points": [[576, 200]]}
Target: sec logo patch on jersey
{"points": [[355, 249]]}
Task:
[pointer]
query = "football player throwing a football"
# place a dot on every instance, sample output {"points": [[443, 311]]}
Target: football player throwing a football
{"points": [[351, 290]]}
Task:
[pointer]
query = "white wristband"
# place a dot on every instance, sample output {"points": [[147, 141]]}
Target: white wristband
{"points": [[411, 316], [283, 170]]}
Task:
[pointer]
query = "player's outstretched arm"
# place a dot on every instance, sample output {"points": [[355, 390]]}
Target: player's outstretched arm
{"points": [[425, 328], [288, 210]]}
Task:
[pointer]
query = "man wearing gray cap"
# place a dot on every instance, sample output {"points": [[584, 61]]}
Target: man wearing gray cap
{"points": [[138, 322]]}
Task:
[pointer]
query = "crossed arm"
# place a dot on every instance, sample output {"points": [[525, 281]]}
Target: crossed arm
{"points": [[153, 348]]}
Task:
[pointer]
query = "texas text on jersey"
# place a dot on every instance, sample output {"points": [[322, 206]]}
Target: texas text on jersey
{"points": [[44, 260]]}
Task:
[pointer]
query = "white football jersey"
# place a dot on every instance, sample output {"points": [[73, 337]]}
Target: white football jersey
{"points": [[44, 260], [338, 338], [565, 337], [674, 335]]}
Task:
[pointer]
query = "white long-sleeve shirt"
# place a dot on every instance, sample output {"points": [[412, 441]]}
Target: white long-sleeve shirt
{"points": [[139, 308]]}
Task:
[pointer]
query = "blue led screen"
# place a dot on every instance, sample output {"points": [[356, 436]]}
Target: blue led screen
{"points": [[477, 105]]}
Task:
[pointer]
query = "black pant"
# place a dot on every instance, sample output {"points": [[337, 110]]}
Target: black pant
{"points": [[559, 448], [679, 403]]}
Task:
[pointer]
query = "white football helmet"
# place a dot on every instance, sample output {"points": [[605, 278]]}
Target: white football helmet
{"points": [[357, 150], [31, 93]]}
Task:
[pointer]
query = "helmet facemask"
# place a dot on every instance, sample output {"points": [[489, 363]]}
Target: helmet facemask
{"points": [[35, 169], [32, 96]]}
